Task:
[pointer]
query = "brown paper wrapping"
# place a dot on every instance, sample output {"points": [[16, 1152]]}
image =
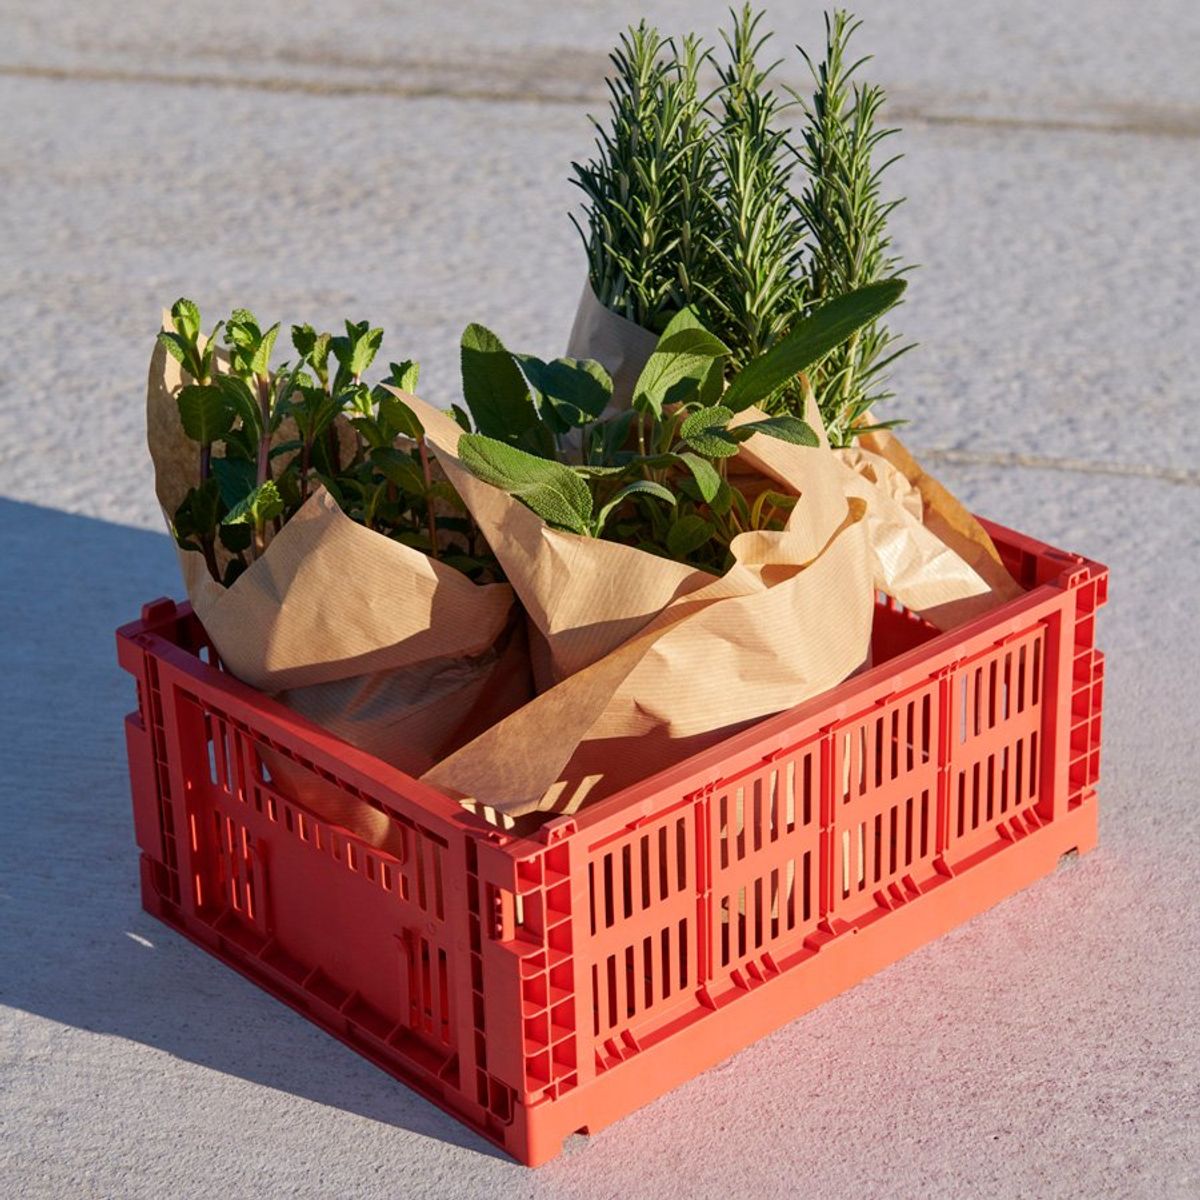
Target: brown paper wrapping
{"points": [[653, 658], [389, 649]]}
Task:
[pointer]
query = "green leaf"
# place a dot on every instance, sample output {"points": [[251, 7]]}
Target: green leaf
{"points": [[575, 391], [205, 413], [706, 432], [404, 375], [174, 345], [235, 477], [688, 534], [242, 400], [556, 493], [365, 348], [262, 505], [722, 502], [493, 387], [616, 433], [186, 316], [399, 418], [680, 363], [786, 429], [462, 418], [398, 468], [810, 340], [261, 358], [644, 487], [704, 473], [304, 339], [198, 515], [235, 538]]}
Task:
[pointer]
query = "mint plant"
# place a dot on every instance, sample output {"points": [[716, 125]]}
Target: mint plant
{"points": [[253, 476], [656, 476]]}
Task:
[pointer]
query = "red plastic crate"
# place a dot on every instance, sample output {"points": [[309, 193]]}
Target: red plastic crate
{"points": [[537, 987]]}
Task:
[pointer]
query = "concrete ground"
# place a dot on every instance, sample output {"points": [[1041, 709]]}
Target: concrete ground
{"points": [[408, 163]]}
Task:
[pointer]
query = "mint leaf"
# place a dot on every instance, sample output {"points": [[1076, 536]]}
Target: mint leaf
{"points": [[205, 415], [399, 418], [186, 316], [235, 478], [404, 375], [553, 491], [174, 345], [398, 468], [364, 351], [809, 340], [241, 399], [262, 505], [261, 358]]}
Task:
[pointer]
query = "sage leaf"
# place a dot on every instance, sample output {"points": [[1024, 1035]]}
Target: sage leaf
{"points": [[708, 481], [556, 493], [785, 428], [688, 534], [574, 391], [706, 431], [810, 339], [493, 386], [679, 364], [645, 487]]}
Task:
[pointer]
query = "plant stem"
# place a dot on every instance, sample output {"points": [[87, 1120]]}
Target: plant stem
{"points": [[210, 556], [427, 472], [305, 459], [205, 461], [264, 442]]}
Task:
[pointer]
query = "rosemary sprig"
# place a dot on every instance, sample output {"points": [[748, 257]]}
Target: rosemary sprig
{"points": [[847, 220], [757, 240]]}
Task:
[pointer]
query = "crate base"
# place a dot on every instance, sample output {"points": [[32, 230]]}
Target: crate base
{"points": [[804, 982]]}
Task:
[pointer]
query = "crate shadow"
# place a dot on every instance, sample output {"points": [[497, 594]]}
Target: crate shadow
{"points": [[77, 947]]}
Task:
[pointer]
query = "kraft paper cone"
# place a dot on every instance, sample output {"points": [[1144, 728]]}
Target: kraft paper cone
{"points": [[397, 653], [621, 346], [655, 658], [598, 333]]}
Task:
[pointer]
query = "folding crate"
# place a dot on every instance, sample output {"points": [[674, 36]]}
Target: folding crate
{"points": [[540, 986]]}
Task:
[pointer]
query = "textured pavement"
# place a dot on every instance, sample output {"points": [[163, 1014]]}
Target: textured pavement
{"points": [[409, 163]]}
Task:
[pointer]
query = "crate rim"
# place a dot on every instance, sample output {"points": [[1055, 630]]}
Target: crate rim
{"points": [[691, 776]]}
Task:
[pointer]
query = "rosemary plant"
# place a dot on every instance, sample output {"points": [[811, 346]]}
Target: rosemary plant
{"points": [[847, 222], [649, 190], [690, 204], [758, 287]]}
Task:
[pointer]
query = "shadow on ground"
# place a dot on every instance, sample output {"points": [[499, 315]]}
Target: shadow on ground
{"points": [[76, 946]]}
